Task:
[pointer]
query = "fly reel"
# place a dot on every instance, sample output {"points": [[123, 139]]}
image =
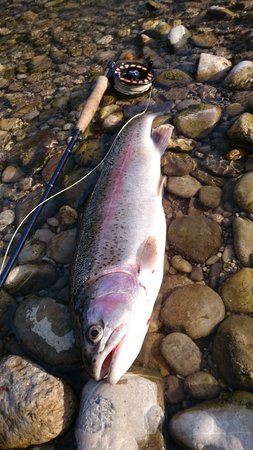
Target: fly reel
{"points": [[132, 78]]}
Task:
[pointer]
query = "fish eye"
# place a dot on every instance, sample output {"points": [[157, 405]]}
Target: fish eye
{"points": [[95, 333]]}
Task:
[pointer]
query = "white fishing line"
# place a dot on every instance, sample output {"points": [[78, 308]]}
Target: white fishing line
{"points": [[73, 184]]}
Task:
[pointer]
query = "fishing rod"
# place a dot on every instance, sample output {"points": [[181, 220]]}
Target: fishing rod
{"points": [[128, 78]]}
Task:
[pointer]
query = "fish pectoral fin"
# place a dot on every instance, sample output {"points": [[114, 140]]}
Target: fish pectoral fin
{"points": [[161, 136], [147, 260]]}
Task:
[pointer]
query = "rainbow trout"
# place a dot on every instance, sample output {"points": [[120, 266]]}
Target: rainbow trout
{"points": [[118, 266]]}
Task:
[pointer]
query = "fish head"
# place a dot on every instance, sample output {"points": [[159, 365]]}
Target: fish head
{"points": [[113, 327]]}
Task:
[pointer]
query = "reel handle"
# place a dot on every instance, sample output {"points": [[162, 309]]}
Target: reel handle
{"points": [[92, 103]]}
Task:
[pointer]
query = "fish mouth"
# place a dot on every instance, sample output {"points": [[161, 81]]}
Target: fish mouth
{"points": [[104, 359]]}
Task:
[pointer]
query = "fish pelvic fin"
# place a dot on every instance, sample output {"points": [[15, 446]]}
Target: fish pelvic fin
{"points": [[161, 136]]}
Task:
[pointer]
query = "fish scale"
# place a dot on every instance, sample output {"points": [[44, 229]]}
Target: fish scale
{"points": [[121, 240]]}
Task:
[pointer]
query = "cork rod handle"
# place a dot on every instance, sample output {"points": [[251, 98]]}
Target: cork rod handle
{"points": [[92, 103]]}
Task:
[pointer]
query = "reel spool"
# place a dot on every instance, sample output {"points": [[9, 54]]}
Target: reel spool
{"points": [[132, 78]]}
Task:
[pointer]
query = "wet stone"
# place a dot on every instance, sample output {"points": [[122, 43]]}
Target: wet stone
{"points": [[168, 77], [181, 353], [196, 237], [7, 217], [12, 174], [237, 292], [195, 310], [178, 36], [7, 305], [197, 121], [45, 329], [184, 186], [241, 76], [243, 240], [210, 196], [35, 406], [150, 354], [202, 386], [174, 164], [125, 415], [232, 351], [30, 278], [241, 132], [212, 67], [32, 252], [181, 264], [174, 392], [205, 40], [62, 246], [225, 423], [67, 215], [243, 192]]}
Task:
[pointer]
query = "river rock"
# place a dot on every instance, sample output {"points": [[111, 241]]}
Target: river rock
{"points": [[45, 328], [173, 389], [243, 192], [7, 217], [232, 351], [33, 251], [35, 406], [196, 237], [210, 196], [243, 239], [150, 354], [181, 353], [67, 215], [171, 282], [30, 278], [202, 386], [241, 132], [181, 264], [123, 416], [178, 36], [62, 246], [11, 174], [7, 305], [237, 292], [205, 40], [241, 76], [195, 310], [224, 424], [185, 186], [174, 164], [212, 67], [197, 121]]}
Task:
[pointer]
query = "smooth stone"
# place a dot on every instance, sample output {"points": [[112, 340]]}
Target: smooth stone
{"points": [[198, 120], [11, 124], [123, 416], [171, 282], [7, 217], [210, 196], [205, 40], [184, 186], [243, 192], [150, 354], [181, 353], [241, 76], [45, 329], [241, 132], [232, 351], [218, 164], [195, 310], [67, 215], [174, 164], [237, 293], [220, 12], [33, 251], [62, 246], [181, 145], [43, 235], [197, 238], [75, 196], [243, 240], [212, 67], [181, 264], [30, 278], [173, 390], [7, 305], [113, 122], [35, 406], [11, 174], [197, 274], [224, 424], [202, 386], [168, 77], [89, 153], [178, 36], [41, 63]]}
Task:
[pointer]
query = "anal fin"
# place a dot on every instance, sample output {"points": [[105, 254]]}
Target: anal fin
{"points": [[161, 136]]}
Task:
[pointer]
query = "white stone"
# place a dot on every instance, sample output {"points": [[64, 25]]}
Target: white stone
{"points": [[212, 67], [178, 36], [118, 417]]}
